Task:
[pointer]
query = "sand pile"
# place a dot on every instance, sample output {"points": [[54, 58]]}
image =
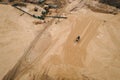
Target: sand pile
{"points": [[55, 54]]}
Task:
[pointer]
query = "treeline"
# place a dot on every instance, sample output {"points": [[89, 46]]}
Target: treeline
{"points": [[115, 3]]}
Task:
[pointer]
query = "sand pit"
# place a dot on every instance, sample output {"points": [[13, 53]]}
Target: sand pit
{"points": [[54, 54]]}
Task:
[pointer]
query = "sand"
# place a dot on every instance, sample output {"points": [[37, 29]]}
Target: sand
{"points": [[16, 34], [54, 54]]}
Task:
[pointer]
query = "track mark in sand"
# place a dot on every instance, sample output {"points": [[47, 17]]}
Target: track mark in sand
{"points": [[89, 32], [29, 66]]}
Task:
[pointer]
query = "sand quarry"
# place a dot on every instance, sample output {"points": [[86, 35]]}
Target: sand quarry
{"points": [[49, 51]]}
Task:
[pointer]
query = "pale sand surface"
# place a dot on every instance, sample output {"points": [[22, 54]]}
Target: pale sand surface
{"points": [[95, 57]]}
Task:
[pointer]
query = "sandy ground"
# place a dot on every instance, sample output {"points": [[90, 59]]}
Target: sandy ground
{"points": [[55, 54], [16, 34]]}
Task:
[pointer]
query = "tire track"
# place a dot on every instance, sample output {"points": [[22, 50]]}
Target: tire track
{"points": [[88, 33]]}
